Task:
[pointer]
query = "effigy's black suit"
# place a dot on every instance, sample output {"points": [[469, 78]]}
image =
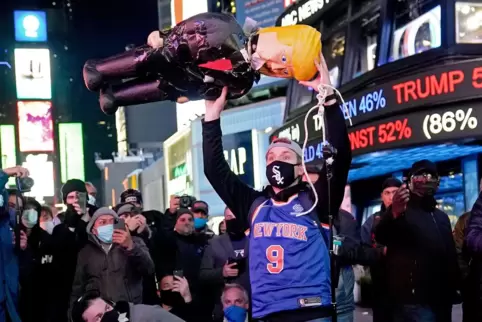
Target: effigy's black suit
{"points": [[199, 56]]}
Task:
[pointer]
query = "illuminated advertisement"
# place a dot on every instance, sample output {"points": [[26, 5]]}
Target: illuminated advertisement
{"points": [[300, 12], [35, 126], [238, 152], [263, 12], [9, 151], [444, 84], [30, 26], [419, 35], [71, 148], [178, 158], [42, 172], [183, 9], [32, 73], [418, 128]]}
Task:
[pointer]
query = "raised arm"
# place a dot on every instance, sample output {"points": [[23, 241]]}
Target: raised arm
{"points": [[237, 195], [337, 136]]}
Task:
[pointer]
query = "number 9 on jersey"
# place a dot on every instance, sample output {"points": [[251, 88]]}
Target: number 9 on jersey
{"points": [[275, 256]]}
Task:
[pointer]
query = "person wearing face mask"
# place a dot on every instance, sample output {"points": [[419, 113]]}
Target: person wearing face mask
{"points": [[37, 290], [10, 258], [69, 236], [136, 222], [176, 297], [182, 250], [91, 307], [113, 261], [286, 248], [235, 303], [224, 260], [421, 260], [200, 210]]}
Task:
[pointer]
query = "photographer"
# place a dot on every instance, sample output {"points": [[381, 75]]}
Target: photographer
{"points": [[69, 237], [9, 261], [421, 260], [113, 261], [136, 222], [176, 297], [224, 260], [168, 219], [181, 249]]}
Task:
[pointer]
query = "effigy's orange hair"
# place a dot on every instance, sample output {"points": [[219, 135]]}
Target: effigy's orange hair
{"points": [[306, 43]]}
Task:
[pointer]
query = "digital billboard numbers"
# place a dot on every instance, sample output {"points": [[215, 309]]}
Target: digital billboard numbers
{"points": [[444, 84], [417, 128]]}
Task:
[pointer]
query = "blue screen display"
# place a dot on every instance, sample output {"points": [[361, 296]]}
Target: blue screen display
{"points": [[30, 26], [313, 151]]}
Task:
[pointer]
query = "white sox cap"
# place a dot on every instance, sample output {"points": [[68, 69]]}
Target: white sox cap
{"points": [[286, 143]]}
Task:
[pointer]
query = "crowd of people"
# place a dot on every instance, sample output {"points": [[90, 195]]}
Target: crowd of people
{"points": [[274, 260]]}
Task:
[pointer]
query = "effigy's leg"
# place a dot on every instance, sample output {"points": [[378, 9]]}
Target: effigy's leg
{"points": [[137, 91], [133, 63]]}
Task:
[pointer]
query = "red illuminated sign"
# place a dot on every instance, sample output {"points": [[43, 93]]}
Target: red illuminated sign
{"points": [[456, 82], [382, 133], [425, 127]]}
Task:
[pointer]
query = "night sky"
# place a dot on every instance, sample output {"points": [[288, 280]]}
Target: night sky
{"points": [[91, 29]]}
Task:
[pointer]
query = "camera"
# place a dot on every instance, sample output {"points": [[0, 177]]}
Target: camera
{"points": [[186, 201], [24, 184]]}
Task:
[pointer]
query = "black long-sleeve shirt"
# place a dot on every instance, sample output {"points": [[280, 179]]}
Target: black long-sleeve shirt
{"points": [[239, 197]]}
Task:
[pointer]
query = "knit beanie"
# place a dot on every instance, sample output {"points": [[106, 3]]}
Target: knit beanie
{"points": [[72, 185]]}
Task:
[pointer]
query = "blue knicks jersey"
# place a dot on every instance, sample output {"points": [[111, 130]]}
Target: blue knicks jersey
{"points": [[289, 263]]}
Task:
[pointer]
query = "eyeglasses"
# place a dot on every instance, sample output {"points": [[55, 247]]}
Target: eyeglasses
{"points": [[185, 219]]}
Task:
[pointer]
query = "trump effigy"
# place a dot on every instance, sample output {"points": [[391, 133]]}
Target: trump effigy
{"points": [[198, 57]]}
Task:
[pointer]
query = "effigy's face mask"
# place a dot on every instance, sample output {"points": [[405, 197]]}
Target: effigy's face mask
{"points": [[287, 52]]}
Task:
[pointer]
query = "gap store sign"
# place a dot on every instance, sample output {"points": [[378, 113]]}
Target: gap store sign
{"points": [[30, 26]]}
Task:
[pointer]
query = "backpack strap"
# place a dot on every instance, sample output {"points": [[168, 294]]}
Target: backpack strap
{"points": [[307, 202], [254, 206]]}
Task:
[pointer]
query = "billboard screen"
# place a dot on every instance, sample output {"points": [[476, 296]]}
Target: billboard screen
{"points": [[30, 26], [35, 126], [32, 73], [71, 148], [42, 172]]}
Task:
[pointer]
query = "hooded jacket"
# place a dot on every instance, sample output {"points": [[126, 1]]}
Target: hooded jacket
{"points": [[115, 272]]}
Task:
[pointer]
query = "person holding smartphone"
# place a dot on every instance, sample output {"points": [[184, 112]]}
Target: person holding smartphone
{"points": [[224, 260], [176, 296], [113, 261]]}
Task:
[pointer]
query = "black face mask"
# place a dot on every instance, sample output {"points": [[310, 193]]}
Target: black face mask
{"points": [[281, 174], [170, 298], [111, 316], [233, 228]]}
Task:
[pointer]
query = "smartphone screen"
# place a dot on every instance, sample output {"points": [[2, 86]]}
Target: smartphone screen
{"points": [[178, 273], [82, 201], [120, 224]]}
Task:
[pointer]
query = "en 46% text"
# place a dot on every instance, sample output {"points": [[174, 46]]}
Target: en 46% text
{"points": [[448, 122], [368, 103]]}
